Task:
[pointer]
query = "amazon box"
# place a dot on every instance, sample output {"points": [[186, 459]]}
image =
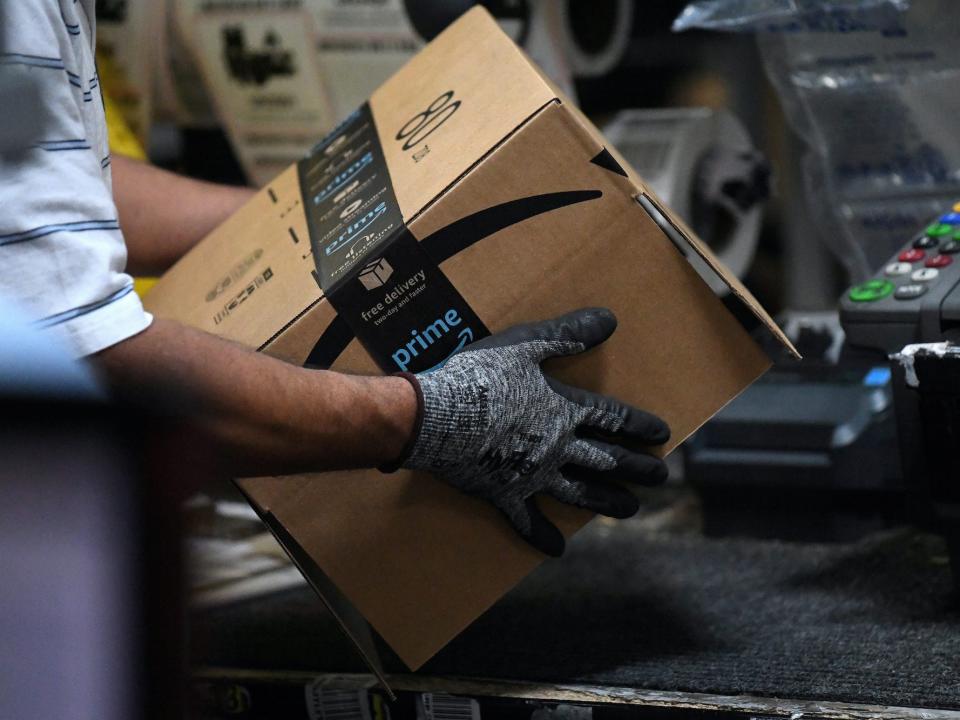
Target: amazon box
{"points": [[466, 196]]}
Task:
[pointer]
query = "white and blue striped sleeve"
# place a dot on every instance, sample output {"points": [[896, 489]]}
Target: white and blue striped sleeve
{"points": [[62, 255]]}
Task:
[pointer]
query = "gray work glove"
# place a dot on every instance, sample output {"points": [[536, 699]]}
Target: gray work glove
{"points": [[492, 425]]}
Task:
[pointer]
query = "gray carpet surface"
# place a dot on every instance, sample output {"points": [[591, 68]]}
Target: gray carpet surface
{"points": [[871, 622]]}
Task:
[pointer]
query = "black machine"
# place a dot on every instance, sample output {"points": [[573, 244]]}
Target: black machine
{"points": [[831, 448], [808, 452], [912, 313], [916, 299]]}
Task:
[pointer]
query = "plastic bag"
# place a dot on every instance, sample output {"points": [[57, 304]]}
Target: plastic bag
{"points": [[841, 16], [871, 86]]}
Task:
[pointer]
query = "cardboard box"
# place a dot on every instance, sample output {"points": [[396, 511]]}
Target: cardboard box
{"points": [[467, 195]]}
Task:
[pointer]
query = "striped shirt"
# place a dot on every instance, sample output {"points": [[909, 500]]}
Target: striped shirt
{"points": [[62, 254]]}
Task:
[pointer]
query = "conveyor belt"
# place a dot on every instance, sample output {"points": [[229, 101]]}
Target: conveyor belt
{"points": [[870, 622]]}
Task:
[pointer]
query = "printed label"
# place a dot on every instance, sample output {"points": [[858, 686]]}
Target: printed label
{"points": [[440, 706], [235, 274], [241, 297], [325, 704]]}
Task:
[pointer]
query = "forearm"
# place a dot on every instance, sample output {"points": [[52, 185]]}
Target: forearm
{"points": [[270, 417], [163, 215]]}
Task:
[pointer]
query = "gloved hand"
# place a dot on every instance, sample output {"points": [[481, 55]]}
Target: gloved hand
{"points": [[492, 425]]}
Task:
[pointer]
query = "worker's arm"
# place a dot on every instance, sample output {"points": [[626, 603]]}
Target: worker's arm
{"points": [[163, 215], [269, 417], [488, 422]]}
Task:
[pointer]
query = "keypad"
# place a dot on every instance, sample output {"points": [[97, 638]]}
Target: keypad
{"points": [[917, 268]]}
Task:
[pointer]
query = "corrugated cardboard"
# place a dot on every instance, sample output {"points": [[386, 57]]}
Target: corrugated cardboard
{"points": [[418, 559]]}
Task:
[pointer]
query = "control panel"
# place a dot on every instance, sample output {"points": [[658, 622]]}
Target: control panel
{"points": [[915, 296]]}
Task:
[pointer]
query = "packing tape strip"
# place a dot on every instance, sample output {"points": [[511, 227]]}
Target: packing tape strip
{"points": [[388, 292]]}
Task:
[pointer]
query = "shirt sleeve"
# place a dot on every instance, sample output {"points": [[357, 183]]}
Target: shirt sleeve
{"points": [[62, 254]]}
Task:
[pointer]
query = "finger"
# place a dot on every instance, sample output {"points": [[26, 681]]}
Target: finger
{"points": [[589, 455], [615, 417], [599, 496], [565, 335], [533, 526], [630, 466]]}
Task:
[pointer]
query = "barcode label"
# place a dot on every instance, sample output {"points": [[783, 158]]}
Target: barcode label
{"points": [[337, 704], [437, 706]]}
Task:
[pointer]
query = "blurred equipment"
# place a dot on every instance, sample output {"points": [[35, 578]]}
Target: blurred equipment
{"points": [[127, 58], [870, 87], [89, 560], [231, 558], [262, 69], [916, 297], [69, 562], [848, 442], [806, 453], [595, 34], [915, 302], [567, 38], [320, 59], [927, 392], [702, 163], [255, 65]]}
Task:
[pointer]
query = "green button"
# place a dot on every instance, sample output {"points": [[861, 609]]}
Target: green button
{"points": [[871, 290], [939, 229]]}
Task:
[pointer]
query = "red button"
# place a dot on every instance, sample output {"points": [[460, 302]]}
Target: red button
{"points": [[912, 255], [939, 261]]}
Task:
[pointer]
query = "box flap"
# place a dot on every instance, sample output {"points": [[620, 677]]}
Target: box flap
{"points": [[738, 289], [451, 104]]}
